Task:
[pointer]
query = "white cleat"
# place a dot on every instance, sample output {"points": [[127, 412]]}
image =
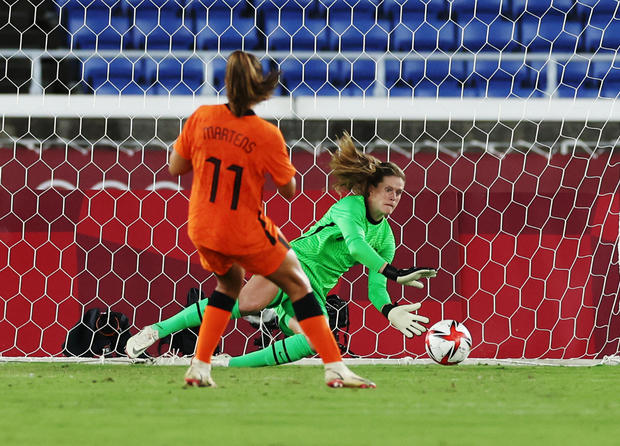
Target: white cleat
{"points": [[137, 344], [199, 374], [338, 375], [220, 360]]}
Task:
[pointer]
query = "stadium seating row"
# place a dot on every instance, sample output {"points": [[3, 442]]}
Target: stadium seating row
{"points": [[542, 25], [577, 78], [490, 26], [385, 9]]}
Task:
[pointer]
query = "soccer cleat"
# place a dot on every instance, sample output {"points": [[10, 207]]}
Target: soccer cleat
{"points": [[137, 344], [199, 374], [337, 375], [220, 360]]}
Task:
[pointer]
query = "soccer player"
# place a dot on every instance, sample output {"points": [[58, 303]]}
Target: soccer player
{"points": [[230, 149], [354, 230]]}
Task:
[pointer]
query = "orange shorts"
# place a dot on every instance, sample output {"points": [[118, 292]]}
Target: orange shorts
{"points": [[263, 262]]}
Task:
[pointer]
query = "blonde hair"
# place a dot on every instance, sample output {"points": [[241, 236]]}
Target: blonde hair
{"points": [[356, 171], [246, 85]]}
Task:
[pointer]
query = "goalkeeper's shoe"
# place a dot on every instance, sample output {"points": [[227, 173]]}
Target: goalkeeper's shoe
{"points": [[338, 375], [199, 374], [137, 344]]}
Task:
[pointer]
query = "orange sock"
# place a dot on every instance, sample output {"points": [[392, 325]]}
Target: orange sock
{"points": [[321, 337], [212, 328]]}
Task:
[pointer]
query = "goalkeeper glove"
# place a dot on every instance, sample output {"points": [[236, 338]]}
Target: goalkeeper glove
{"points": [[409, 276], [403, 319]]}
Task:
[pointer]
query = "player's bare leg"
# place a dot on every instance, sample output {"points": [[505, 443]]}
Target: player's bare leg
{"points": [[216, 317]]}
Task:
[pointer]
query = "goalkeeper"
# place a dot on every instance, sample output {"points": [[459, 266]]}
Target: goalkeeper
{"points": [[354, 230]]}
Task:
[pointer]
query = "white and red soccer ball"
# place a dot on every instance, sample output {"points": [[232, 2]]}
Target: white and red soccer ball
{"points": [[448, 342]]}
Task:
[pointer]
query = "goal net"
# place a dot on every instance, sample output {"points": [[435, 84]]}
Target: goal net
{"points": [[504, 115]]}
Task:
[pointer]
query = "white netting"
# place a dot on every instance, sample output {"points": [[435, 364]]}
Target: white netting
{"points": [[503, 114]]}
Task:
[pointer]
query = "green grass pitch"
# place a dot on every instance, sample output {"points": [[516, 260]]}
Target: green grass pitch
{"points": [[84, 404]]}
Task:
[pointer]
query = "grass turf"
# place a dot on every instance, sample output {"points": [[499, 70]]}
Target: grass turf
{"points": [[83, 404]]}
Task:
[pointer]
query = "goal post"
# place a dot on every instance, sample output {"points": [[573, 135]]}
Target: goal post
{"points": [[511, 152]]}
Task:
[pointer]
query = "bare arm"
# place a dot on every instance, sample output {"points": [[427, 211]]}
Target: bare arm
{"points": [[289, 189], [178, 165]]}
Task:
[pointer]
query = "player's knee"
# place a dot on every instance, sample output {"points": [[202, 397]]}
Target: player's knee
{"points": [[247, 307], [299, 280], [297, 291]]}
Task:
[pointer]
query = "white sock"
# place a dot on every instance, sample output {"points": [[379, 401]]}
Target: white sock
{"points": [[338, 367]]}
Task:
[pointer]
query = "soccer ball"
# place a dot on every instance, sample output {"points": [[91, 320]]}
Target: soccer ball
{"points": [[448, 342]]}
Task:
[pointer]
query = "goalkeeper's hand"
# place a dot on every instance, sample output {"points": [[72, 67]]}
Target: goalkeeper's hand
{"points": [[409, 276], [403, 319]]}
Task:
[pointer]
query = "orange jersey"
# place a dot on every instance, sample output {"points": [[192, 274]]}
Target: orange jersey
{"points": [[230, 157]]}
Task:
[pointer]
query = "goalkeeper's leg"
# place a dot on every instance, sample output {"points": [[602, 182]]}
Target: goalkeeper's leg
{"points": [[187, 318], [283, 351]]}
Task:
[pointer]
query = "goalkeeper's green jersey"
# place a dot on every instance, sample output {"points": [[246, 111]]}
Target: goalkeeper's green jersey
{"points": [[345, 236]]}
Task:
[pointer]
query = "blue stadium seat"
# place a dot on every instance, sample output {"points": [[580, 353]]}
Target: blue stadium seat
{"points": [[291, 77], [395, 81], [488, 33], [601, 11], [573, 80], [291, 30], [341, 20], [174, 76], [602, 35], [97, 29], [113, 76], [70, 6], [597, 18], [410, 80], [536, 71], [347, 9], [360, 77], [316, 77], [364, 35], [465, 10], [217, 15], [441, 78], [412, 8], [306, 78], [540, 7], [138, 7], [165, 29], [506, 80], [273, 8], [549, 33], [609, 74], [433, 78], [215, 75], [220, 29], [424, 36], [611, 35]]}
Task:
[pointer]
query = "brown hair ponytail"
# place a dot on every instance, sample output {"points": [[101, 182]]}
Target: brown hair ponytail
{"points": [[355, 171], [246, 85]]}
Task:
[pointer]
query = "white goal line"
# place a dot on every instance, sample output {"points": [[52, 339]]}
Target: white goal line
{"points": [[173, 360]]}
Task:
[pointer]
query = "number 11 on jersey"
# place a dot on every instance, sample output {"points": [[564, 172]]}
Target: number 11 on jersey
{"points": [[238, 170]]}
